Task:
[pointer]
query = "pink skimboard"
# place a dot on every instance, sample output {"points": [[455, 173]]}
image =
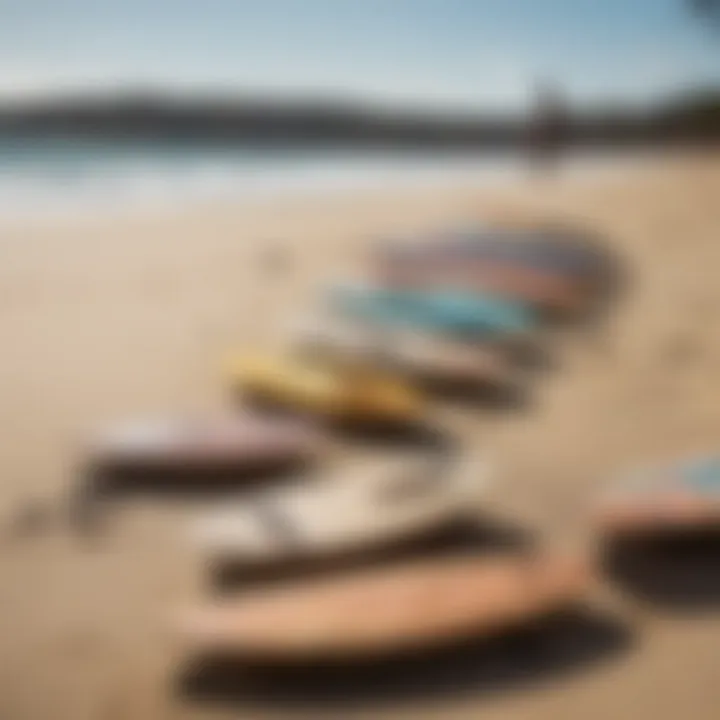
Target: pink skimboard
{"points": [[684, 495], [223, 442], [387, 609]]}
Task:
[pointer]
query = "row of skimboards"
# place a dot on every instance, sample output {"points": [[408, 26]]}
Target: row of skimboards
{"points": [[461, 298]]}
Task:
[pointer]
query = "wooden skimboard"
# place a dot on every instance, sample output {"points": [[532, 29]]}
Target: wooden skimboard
{"points": [[385, 610]]}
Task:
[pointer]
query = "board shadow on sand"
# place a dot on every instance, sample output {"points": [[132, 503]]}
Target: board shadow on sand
{"points": [[484, 536], [502, 397], [532, 356], [546, 651], [421, 436], [109, 482], [100, 488], [678, 570]]}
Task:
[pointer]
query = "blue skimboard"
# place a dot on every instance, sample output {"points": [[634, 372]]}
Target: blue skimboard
{"points": [[458, 312]]}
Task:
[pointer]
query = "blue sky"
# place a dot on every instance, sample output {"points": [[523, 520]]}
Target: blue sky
{"points": [[447, 53]]}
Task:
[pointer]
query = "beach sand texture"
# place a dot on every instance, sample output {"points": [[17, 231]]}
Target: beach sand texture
{"points": [[108, 319]]}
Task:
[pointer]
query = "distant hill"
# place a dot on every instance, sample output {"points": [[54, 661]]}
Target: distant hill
{"points": [[690, 118]]}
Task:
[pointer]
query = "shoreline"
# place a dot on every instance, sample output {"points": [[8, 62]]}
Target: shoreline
{"points": [[294, 185]]}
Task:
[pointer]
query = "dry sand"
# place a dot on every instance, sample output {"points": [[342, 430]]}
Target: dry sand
{"points": [[107, 319]]}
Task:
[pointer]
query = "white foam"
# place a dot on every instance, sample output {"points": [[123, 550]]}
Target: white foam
{"points": [[50, 188]]}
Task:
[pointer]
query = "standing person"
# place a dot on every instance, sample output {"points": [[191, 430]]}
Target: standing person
{"points": [[547, 128]]}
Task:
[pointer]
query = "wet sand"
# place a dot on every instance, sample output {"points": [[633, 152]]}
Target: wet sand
{"points": [[103, 320]]}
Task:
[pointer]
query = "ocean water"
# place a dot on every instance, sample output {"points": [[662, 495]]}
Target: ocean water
{"points": [[49, 176]]}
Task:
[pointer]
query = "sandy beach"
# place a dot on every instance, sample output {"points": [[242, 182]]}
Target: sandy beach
{"points": [[105, 319]]}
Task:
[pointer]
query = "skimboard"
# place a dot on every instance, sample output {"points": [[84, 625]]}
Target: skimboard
{"points": [[389, 609], [683, 495], [369, 505], [548, 268], [453, 312], [223, 442], [417, 354]]}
